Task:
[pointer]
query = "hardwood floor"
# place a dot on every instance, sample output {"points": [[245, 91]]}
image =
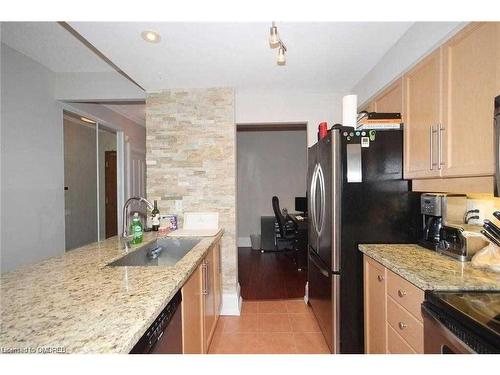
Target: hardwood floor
{"points": [[269, 275]]}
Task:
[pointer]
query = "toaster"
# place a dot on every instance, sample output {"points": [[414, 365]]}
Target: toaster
{"points": [[460, 241]]}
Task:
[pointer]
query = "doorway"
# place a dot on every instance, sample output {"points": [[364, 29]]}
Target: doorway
{"points": [[90, 180], [271, 161]]}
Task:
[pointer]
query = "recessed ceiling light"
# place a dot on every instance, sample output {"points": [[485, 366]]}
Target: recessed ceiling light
{"points": [[151, 36], [85, 119]]}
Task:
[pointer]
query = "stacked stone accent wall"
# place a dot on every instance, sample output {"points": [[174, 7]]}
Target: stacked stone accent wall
{"points": [[191, 160]]}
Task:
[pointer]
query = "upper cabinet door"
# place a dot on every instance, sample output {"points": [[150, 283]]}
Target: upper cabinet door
{"points": [[470, 65], [391, 100], [421, 116]]}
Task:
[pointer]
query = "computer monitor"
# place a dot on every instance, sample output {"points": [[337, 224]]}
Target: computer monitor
{"points": [[301, 204]]}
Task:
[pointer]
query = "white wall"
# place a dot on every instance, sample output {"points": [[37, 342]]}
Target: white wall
{"points": [[32, 173], [32, 159], [286, 106], [418, 41], [269, 163], [104, 86]]}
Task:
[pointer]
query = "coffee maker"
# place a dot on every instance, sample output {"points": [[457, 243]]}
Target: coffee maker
{"points": [[438, 209]]}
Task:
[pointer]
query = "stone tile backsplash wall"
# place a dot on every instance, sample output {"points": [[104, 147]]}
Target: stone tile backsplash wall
{"points": [[191, 160]]}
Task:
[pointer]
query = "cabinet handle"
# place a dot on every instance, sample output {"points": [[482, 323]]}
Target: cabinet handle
{"points": [[402, 325], [380, 278], [431, 167], [207, 288], [440, 146], [401, 293], [432, 131], [204, 278]]}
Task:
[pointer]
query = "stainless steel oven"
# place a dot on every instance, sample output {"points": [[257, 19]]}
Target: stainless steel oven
{"points": [[461, 322], [497, 146], [439, 339]]}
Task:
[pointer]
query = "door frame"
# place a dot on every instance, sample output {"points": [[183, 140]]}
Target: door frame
{"points": [[120, 160]]}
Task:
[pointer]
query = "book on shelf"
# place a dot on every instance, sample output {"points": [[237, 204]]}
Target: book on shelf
{"points": [[378, 126]]}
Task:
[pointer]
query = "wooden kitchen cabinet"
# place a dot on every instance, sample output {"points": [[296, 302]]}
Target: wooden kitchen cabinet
{"points": [[192, 314], [470, 63], [392, 315], [448, 108], [421, 115], [375, 306], [209, 315], [201, 303], [218, 278], [391, 99]]}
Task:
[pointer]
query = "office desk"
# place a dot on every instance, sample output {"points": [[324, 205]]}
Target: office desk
{"points": [[302, 228]]}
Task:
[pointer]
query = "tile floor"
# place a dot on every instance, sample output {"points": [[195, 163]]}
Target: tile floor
{"points": [[269, 327]]}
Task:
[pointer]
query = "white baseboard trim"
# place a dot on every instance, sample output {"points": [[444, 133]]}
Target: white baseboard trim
{"points": [[231, 303], [244, 242]]}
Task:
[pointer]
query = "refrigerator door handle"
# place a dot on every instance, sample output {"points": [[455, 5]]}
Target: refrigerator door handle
{"points": [[321, 218], [336, 201], [324, 272], [313, 198]]}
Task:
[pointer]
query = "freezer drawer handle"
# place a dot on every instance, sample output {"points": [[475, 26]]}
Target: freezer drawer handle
{"points": [[323, 272]]}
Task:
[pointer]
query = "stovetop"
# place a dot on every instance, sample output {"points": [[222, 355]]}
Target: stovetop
{"points": [[477, 310]]}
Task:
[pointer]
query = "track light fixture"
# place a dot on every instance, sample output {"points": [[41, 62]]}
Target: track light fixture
{"points": [[275, 41]]}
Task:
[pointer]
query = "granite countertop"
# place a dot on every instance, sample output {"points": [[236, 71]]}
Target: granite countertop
{"points": [[73, 303], [429, 270]]}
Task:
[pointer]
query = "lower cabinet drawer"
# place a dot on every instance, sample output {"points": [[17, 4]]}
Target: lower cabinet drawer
{"points": [[395, 344], [405, 293], [406, 325]]}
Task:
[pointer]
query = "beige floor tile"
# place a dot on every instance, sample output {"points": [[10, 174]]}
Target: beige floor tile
{"points": [[242, 324], [237, 343], [278, 343], [310, 343], [274, 323], [250, 307], [296, 306], [266, 307], [304, 323]]}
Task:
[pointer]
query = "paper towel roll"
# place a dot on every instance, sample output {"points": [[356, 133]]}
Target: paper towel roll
{"points": [[349, 110]]}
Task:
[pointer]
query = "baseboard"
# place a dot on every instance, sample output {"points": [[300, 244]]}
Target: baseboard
{"points": [[231, 303], [244, 242]]}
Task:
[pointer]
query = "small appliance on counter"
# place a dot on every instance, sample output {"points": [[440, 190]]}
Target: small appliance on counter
{"points": [[440, 209], [461, 242], [461, 322]]}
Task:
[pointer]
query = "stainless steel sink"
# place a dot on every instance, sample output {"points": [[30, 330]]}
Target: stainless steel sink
{"points": [[162, 252]]}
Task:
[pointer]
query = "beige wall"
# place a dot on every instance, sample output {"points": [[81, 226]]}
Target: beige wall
{"points": [[190, 161]]}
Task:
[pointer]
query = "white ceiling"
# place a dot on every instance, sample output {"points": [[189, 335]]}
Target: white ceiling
{"points": [[332, 56], [52, 46]]}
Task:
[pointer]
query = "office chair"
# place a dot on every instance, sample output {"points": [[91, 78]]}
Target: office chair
{"points": [[286, 238]]}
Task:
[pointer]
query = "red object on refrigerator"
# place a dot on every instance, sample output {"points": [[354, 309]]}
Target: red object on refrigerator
{"points": [[322, 130]]}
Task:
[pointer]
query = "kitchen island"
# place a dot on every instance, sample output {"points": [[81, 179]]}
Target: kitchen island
{"points": [[75, 303]]}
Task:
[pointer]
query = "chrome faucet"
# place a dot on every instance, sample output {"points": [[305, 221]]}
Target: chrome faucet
{"points": [[125, 235]]}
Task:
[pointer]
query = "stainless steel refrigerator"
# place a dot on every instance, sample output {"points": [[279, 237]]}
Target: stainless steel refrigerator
{"points": [[356, 195]]}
